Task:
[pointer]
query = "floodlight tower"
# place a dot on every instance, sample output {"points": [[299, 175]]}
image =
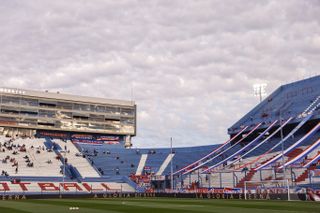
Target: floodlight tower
{"points": [[171, 167], [260, 90]]}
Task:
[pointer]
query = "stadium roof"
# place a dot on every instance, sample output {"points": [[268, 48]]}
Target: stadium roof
{"points": [[66, 97]]}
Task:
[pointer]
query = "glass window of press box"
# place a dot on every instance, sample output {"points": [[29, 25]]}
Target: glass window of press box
{"points": [[32, 111]]}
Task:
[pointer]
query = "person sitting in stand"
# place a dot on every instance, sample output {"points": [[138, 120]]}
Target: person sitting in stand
{"points": [[4, 173], [117, 171], [245, 169]]}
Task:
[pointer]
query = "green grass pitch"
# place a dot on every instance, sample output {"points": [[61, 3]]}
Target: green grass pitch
{"points": [[155, 205]]}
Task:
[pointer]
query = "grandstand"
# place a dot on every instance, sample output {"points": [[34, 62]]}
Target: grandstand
{"points": [[281, 137], [72, 142], [41, 133]]}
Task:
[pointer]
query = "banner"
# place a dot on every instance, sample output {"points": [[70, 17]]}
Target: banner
{"points": [[95, 140]]}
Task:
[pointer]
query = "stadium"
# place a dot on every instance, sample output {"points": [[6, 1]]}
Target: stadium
{"points": [[159, 106], [58, 146]]}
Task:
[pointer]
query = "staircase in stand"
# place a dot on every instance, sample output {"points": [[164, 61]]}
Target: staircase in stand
{"points": [[294, 153], [165, 164], [142, 163], [304, 175], [248, 177]]}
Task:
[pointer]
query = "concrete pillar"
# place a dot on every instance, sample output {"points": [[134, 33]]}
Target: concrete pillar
{"points": [[128, 143]]}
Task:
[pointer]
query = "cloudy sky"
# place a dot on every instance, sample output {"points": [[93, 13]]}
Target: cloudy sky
{"points": [[190, 64]]}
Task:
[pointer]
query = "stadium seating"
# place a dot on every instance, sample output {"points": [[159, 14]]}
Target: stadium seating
{"points": [[76, 159], [214, 151], [256, 151], [219, 156], [126, 161], [239, 151], [30, 156], [298, 98]]}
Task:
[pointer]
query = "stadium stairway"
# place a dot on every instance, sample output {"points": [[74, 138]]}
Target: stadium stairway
{"points": [[165, 164], [142, 164], [65, 168], [305, 174], [247, 177], [82, 165]]}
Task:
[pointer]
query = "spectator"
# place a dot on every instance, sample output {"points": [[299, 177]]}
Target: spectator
{"points": [[245, 169], [117, 171]]}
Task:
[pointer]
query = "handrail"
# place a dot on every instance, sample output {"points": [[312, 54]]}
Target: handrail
{"points": [[212, 152], [243, 148], [292, 146], [209, 160]]}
